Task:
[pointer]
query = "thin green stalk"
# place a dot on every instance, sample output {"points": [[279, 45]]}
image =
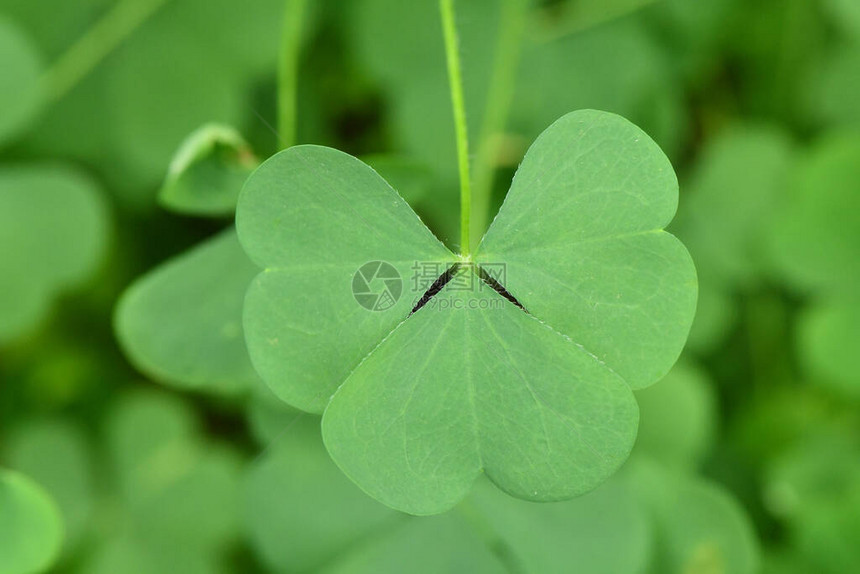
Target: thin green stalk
{"points": [[99, 41], [455, 78], [499, 98], [288, 71]]}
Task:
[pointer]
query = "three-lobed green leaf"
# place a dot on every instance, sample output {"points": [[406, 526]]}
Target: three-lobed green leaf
{"points": [[416, 407]]}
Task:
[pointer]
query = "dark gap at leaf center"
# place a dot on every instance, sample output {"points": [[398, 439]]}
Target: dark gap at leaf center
{"points": [[450, 273], [498, 287], [437, 286]]}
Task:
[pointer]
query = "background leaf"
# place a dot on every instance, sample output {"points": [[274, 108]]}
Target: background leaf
{"points": [[606, 531], [31, 529], [207, 172], [678, 418], [828, 337], [699, 527], [813, 235], [54, 229], [182, 323], [437, 544], [299, 508], [57, 455]]}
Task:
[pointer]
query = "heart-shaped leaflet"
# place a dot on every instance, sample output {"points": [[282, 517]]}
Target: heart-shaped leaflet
{"points": [[416, 405]]}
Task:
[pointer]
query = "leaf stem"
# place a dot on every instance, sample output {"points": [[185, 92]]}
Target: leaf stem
{"points": [[455, 79], [499, 98], [99, 41], [288, 72]]}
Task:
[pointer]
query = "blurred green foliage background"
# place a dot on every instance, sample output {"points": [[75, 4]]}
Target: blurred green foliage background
{"points": [[135, 436]]}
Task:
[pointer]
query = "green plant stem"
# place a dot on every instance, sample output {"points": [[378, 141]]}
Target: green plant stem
{"points": [[99, 41], [288, 71], [501, 94], [455, 78]]}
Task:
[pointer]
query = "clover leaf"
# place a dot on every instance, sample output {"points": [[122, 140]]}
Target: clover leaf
{"points": [[828, 338], [31, 529], [734, 187], [699, 526], [813, 236], [677, 417], [207, 172], [436, 544], [193, 90], [813, 488], [410, 178], [181, 323], [299, 509], [581, 234], [606, 531], [57, 456], [814, 242], [628, 73], [174, 496], [53, 229], [417, 404], [129, 133], [740, 176], [303, 515], [312, 216], [177, 488]]}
